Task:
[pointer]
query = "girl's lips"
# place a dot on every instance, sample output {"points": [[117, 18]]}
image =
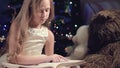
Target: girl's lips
{"points": [[42, 19]]}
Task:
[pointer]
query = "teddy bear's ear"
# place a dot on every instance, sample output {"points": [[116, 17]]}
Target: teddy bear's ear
{"points": [[82, 34]]}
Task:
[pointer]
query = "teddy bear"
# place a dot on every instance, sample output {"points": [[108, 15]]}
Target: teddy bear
{"points": [[104, 40], [80, 39]]}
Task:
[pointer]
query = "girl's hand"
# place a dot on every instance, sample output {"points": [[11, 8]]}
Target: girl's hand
{"points": [[58, 58]]}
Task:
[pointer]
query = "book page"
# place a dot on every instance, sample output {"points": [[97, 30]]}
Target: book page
{"points": [[68, 63]]}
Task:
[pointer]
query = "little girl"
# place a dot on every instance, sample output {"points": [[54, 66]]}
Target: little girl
{"points": [[29, 33]]}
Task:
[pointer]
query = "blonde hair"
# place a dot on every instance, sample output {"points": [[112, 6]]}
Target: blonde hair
{"points": [[22, 21]]}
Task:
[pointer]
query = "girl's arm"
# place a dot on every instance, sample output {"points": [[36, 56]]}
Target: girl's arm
{"points": [[49, 45], [29, 60], [49, 49]]}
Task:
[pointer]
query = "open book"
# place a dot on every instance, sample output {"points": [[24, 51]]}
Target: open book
{"points": [[63, 64]]}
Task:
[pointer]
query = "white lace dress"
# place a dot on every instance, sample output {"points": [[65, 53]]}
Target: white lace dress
{"points": [[35, 42]]}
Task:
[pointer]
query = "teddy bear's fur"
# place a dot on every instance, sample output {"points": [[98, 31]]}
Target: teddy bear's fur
{"points": [[104, 40], [80, 39]]}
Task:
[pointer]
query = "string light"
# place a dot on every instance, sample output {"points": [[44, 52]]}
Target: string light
{"points": [[4, 29], [76, 25], [70, 2], [2, 39], [61, 34], [57, 27], [5, 25], [8, 6]]}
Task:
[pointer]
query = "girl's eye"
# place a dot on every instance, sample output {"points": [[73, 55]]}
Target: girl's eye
{"points": [[47, 10], [43, 10]]}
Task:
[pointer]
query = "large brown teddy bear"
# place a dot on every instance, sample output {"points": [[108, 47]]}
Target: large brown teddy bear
{"points": [[104, 40]]}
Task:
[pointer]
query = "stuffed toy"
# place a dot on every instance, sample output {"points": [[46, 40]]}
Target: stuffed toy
{"points": [[80, 39], [104, 40]]}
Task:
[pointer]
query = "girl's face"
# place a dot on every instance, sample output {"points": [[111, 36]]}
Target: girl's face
{"points": [[41, 14]]}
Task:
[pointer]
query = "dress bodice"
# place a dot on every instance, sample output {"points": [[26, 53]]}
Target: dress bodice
{"points": [[35, 41]]}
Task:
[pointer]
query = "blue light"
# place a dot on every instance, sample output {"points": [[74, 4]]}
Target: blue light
{"points": [[5, 25], [4, 29]]}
